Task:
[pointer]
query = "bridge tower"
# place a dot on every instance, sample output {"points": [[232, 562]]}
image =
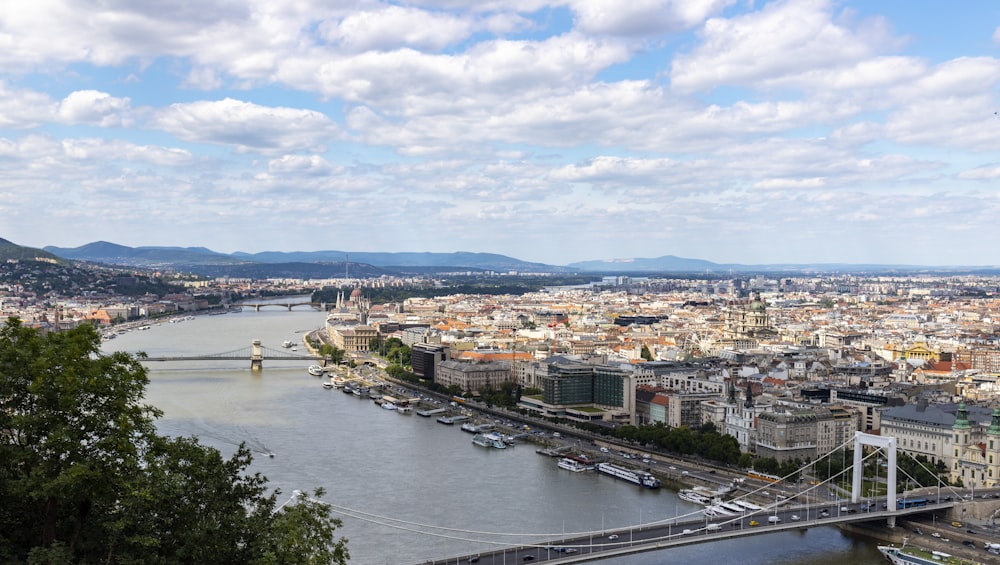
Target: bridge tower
{"points": [[256, 356], [887, 444]]}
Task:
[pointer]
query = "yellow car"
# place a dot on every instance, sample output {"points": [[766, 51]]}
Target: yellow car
{"points": [[754, 523], [956, 524]]}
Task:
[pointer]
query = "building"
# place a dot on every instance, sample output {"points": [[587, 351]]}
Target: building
{"points": [[352, 338], [472, 377], [921, 429], [425, 357], [804, 433], [977, 452]]}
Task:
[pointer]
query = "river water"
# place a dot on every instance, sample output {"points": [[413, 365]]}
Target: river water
{"points": [[407, 488]]}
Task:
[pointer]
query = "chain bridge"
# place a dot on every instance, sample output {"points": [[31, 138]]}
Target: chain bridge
{"points": [[255, 353]]}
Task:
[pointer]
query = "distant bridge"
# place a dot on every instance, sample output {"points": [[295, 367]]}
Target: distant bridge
{"points": [[287, 305], [255, 353]]}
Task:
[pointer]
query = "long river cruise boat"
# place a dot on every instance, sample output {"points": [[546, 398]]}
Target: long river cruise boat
{"points": [[641, 478]]}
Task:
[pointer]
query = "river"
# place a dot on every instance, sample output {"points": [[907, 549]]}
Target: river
{"points": [[407, 488]]}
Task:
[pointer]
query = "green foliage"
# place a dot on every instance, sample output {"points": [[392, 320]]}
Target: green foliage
{"points": [[645, 353], [335, 354], [504, 396], [86, 478], [684, 441]]}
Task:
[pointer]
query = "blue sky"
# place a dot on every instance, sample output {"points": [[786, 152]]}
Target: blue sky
{"points": [[552, 131]]}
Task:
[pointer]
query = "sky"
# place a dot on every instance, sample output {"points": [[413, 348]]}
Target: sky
{"points": [[556, 131]]}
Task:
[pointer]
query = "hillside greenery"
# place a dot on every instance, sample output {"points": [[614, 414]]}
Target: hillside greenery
{"points": [[85, 477]]}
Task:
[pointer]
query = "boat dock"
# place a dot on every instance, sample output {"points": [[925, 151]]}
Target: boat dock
{"points": [[449, 420], [432, 412]]}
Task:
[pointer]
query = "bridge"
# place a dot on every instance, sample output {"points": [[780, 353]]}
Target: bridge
{"points": [[255, 353], [286, 305], [803, 508]]}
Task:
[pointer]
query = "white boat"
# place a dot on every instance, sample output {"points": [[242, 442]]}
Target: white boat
{"points": [[640, 478], [736, 510], [328, 384], [315, 370], [715, 510], [474, 428], [694, 496], [287, 343], [916, 556], [489, 439], [338, 381], [745, 505], [574, 465], [388, 406], [404, 409]]}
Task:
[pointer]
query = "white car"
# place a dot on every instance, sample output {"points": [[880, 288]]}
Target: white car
{"points": [[613, 536], [795, 518]]}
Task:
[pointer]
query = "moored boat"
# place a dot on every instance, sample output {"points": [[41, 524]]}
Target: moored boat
{"points": [[489, 439], [640, 478], [694, 496], [574, 465], [916, 556], [315, 370]]}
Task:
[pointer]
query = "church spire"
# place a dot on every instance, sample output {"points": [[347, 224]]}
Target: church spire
{"points": [[748, 403], [994, 428], [962, 418]]}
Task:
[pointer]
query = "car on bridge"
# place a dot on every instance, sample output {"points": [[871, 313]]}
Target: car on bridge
{"points": [[754, 523]]}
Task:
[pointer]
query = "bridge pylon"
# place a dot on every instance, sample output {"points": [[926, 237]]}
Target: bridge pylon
{"points": [[887, 444], [256, 356]]}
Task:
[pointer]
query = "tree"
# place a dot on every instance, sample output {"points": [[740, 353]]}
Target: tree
{"points": [[645, 353], [84, 477]]}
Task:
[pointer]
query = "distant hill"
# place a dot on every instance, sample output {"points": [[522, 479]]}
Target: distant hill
{"points": [[335, 263], [673, 264], [13, 251], [667, 263], [457, 260], [114, 254], [190, 257]]}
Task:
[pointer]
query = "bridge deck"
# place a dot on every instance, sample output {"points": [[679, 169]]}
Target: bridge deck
{"points": [[651, 537]]}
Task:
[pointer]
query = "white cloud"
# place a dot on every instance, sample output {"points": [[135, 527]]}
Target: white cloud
{"points": [[247, 126], [105, 150], [95, 108], [642, 17], [393, 27], [23, 108], [770, 184], [784, 40]]}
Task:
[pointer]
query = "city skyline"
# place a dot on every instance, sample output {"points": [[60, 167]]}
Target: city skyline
{"points": [[792, 131]]}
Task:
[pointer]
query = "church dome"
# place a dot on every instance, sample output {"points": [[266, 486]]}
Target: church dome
{"points": [[356, 294]]}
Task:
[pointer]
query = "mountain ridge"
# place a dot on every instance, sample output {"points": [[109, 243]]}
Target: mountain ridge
{"points": [[182, 257]]}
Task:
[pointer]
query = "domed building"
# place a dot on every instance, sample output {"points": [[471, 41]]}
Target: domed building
{"points": [[747, 324]]}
